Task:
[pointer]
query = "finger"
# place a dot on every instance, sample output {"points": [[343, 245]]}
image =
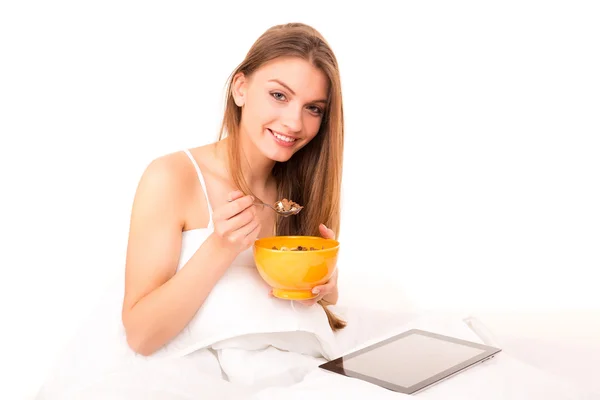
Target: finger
{"points": [[236, 194], [245, 231], [239, 220], [326, 232], [234, 207], [232, 225], [323, 290], [318, 290]]}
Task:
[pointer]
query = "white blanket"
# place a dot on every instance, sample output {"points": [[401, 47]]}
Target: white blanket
{"points": [[236, 370]]}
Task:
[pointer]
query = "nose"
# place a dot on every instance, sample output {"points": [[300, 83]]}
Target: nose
{"points": [[292, 119]]}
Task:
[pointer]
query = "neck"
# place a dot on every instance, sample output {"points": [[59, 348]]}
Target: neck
{"points": [[256, 168]]}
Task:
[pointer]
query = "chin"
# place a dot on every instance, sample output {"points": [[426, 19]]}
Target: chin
{"points": [[279, 156]]}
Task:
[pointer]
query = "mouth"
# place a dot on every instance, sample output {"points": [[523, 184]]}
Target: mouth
{"points": [[283, 140]]}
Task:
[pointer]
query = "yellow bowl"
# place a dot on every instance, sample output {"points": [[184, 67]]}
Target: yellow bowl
{"points": [[293, 274]]}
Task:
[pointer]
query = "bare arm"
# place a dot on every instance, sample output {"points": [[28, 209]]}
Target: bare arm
{"points": [[158, 303]]}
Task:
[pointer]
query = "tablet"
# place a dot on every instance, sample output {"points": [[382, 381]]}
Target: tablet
{"points": [[411, 361]]}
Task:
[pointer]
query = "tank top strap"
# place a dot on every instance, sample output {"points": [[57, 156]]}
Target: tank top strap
{"points": [[202, 183]]}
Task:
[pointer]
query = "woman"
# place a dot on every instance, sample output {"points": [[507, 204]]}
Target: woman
{"points": [[195, 312], [281, 137]]}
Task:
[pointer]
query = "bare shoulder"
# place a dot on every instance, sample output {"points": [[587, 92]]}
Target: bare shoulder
{"points": [[168, 174], [164, 186], [171, 184]]}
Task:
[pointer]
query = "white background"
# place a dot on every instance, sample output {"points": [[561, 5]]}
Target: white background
{"points": [[472, 167]]}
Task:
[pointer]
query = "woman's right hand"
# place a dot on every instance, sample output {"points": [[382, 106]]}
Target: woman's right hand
{"points": [[236, 223]]}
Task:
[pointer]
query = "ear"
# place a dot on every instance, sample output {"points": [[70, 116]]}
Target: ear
{"points": [[238, 89]]}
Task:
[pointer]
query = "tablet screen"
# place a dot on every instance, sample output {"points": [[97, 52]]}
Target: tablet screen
{"points": [[411, 359]]}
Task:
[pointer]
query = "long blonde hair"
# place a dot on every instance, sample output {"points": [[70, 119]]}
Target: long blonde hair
{"points": [[313, 176]]}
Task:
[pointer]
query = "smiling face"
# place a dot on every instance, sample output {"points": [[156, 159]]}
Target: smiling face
{"points": [[282, 106]]}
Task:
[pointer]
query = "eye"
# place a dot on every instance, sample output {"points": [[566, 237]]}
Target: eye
{"points": [[278, 96], [315, 110]]}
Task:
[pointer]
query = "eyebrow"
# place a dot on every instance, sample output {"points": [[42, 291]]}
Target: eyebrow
{"points": [[292, 92]]}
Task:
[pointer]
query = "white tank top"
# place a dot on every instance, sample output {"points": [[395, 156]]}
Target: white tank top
{"points": [[193, 239]]}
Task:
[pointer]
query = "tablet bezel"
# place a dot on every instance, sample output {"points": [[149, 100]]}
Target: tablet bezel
{"points": [[336, 365]]}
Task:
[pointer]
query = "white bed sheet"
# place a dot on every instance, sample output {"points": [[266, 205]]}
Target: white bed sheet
{"points": [[565, 343], [252, 374]]}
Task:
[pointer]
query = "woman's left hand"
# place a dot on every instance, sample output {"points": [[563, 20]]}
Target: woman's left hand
{"points": [[330, 288]]}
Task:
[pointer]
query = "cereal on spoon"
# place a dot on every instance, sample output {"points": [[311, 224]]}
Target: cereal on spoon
{"points": [[287, 205]]}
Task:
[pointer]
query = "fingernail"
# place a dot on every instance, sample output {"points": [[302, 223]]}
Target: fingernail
{"points": [[315, 291]]}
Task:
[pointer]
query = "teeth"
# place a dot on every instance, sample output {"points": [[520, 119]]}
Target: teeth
{"points": [[284, 138]]}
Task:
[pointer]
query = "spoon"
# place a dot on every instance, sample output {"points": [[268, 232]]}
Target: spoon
{"points": [[278, 210], [281, 211]]}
